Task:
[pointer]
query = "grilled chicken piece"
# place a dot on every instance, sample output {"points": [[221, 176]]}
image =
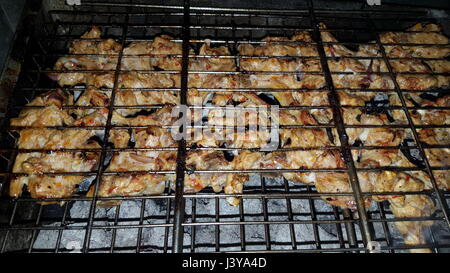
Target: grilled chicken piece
{"points": [[206, 160], [431, 51], [434, 135], [35, 163], [45, 186], [308, 159], [245, 160], [132, 98], [337, 182], [291, 64], [352, 98], [413, 206], [136, 80], [277, 47], [128, 185], [438, 66], [430, 117], [437, 157], [55, 97], [41, 117], [89, 43], [53, 115], [305, 138], [94, 97], [229, 138], [120, 138], [376, 136], [282, 81], [362, 81], [143, 161], [305, 117], [375, 158], [155, 160], [138, 185], [136, 56], [280, 46], [360, 116], [294, 98], [333, 50], [442, 179], [162, 116], [428, 98], [50, 115], [46, 138], [104, 56], [162, 47], [356, 79], [214, 81], [422, 81], [92, 117], [402, 205], [211, 63]]}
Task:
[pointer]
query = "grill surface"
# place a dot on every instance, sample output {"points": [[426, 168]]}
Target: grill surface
{"points": [[274, 215]]}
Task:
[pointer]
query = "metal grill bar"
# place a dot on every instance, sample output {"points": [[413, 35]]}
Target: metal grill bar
{"points": [[107, 131], [345, 150], [178, 233]]}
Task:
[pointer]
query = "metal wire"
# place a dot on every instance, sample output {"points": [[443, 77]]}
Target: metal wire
{"points": [[231, 27]]}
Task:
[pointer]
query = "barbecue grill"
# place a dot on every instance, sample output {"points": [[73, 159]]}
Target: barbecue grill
{"points": [[274, 215]]}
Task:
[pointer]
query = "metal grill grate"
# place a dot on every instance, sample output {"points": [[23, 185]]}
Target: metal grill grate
{"points": [[274, 215]]}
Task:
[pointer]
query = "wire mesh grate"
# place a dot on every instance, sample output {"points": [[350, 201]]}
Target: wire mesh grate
{"points": [[275, 215]]}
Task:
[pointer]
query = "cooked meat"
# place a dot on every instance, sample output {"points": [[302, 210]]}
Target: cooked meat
{"points": [[162, 116], [422, 81], [44, 138], [103, 56], [356, 98], [41, 117], [92, 117], [37, 162], [304, 138], [280, 46], [211, 63], [295, 98], [45, 186], [413, 206], [245, 160], [132, 98], [155, 160], [136, 80], [128, 185], [136, 56], [206, 160], [94, 97], [334, 182], [430, 117], [282, 81], [165, 53], [276, 47], [435, 135], [55, 97], [120, 138]]}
